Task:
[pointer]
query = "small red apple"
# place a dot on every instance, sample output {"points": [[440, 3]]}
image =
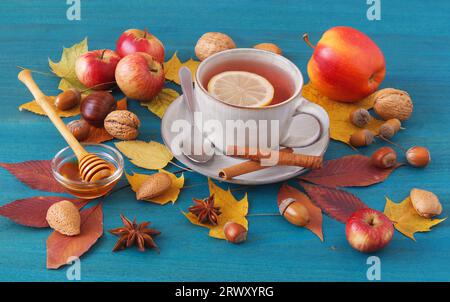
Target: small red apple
{"points": [[97, 67], [346, 64], [369, 230], [135, 40], [140, 76]]}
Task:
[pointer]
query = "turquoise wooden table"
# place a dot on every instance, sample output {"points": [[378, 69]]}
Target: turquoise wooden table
{"points": [[415, 38]]}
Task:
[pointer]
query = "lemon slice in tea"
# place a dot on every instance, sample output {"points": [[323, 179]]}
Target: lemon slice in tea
{"points": [[241, 88]]}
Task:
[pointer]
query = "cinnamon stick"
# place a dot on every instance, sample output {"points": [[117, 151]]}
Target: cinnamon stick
{"points": [[276, 157], [245, 167]]}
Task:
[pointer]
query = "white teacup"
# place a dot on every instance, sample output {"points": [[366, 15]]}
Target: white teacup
{"points": [[281, 114]]}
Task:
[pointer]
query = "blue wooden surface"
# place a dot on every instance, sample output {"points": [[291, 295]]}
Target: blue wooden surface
{"points": [[415, 38]]}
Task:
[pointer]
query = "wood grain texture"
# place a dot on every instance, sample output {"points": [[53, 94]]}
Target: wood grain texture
{"points": [[415, 38]]}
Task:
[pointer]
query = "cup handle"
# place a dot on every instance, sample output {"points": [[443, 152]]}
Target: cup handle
{"points": [[307, 108]]}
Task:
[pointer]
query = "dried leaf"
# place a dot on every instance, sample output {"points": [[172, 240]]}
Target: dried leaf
{"points": [[35, 108], [100, 135], [315, 222], [348, 171], [32, 211], [340, 126], [406, 219], [65, 68], [37, 174], [336, 203], [136, 180], [172, 67], [161, 102], [61, 248], [151, 155], [231, 209]]}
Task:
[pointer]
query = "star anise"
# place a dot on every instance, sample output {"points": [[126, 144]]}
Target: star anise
{"points": [[133, 233], [205, 210]]}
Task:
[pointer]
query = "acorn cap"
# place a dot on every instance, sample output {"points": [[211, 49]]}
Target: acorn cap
{"points": [[284, 204], [64, 217]]}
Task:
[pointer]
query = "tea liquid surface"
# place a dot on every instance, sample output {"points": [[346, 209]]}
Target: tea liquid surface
{"points": [[280, 80]]}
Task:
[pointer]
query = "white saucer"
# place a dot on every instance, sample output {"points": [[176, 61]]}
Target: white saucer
{"points": [[177, 110]]}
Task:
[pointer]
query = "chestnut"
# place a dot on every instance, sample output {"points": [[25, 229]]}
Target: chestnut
{"points": [[96, 106], [235, 232]]}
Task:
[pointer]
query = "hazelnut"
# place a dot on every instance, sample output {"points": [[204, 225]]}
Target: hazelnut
{"points": [[360, 117], [122, 124], [384, 158], [418, 156], [294, 212], [211, 43], [68, 99], [269, 47], [96, 106], [80, 129], [390, 128], [64, 217], [234, 232], [361, 138], [426, 203], [392, 103], [155, 185]]}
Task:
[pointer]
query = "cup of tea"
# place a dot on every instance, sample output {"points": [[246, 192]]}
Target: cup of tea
{"points": [[273, 119]]}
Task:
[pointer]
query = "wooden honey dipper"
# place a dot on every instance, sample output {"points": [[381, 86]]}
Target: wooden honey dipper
{"points": [[91, 166]]}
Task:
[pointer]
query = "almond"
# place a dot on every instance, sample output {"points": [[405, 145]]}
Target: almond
{"points": [[64, 217], [426, 203], [154, 186]]}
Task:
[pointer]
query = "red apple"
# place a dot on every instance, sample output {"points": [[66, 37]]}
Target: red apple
{"points": [[369, 230], [346, 64], [97, 67], [140, 76], [135, 40]]}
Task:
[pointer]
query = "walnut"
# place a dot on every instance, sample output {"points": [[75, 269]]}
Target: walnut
{"points": [[392, 103], [122, 124], [269, 47], [211, 43]]}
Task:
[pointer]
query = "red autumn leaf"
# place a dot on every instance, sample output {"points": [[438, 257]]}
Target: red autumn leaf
{"points": [[315, 221], [32, 211], [348, 171], [37, 174], [60, 248], [100, 135], [336, 203]]}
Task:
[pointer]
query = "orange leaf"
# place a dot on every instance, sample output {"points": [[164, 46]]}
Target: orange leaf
{"points": [[61, 248], [100, 135], [37, 174], [32, 211], [315, 223]]}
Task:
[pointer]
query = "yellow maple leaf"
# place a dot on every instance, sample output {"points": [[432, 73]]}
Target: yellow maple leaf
{"points": [[35, 108], [172, 66], [340, 126], [161, 102], [136, 181], [151, 155], [65, 68], [230, 208], [406, 219]]}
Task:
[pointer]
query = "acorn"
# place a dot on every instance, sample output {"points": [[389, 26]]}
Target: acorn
{"points": [[68, 99], [294, 211], [361, 138]]}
